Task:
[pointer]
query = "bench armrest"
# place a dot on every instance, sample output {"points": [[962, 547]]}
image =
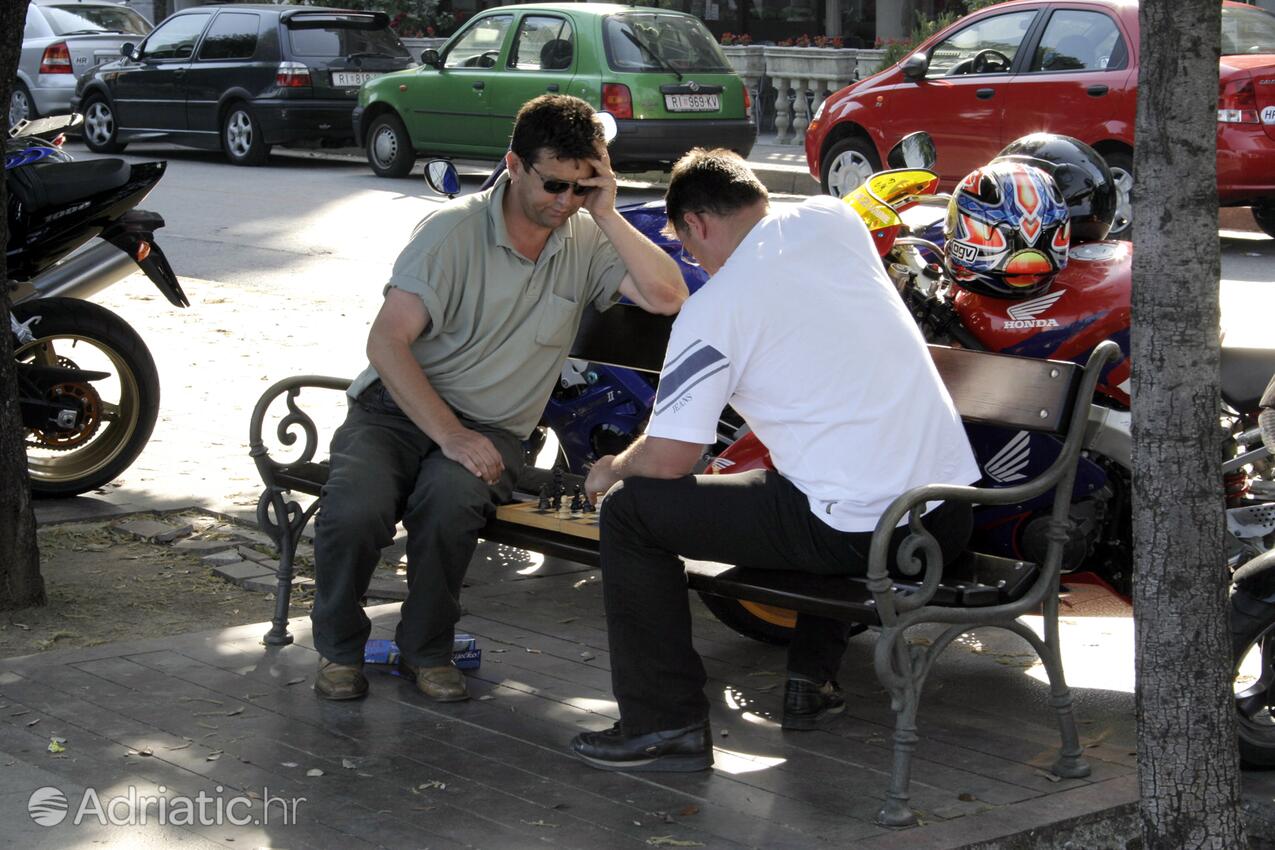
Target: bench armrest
{"points": [[268, 467], [919, 552]]}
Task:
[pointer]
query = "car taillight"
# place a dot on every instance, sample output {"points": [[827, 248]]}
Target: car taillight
{"points": [[1237, 103], [617, 100], [56, 59], [291, 75], [748, 100]]}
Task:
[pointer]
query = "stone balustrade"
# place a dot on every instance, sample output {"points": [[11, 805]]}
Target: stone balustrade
{"points": [[811, 74]]}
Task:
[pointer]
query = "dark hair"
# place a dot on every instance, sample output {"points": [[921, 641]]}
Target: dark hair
{"points": [[559, 122], [717, 181]]}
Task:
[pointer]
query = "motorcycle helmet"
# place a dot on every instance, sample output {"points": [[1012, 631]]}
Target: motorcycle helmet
{"points": [[1006, 233], [1082, 176]]}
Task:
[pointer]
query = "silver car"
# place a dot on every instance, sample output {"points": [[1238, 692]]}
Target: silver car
{"points": [[62, 41]]}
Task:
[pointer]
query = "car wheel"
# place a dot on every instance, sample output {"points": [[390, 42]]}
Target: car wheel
{"points": [[389, 150], [242, 139], [847, 165], [1121, 165], [1264, 215], [99, 126], [21, 106]]}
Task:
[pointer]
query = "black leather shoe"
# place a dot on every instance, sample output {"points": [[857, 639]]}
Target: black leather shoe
{"points": [[675, 750], [806, 703]]}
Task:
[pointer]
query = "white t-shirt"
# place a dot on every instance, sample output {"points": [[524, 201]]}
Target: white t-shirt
{"points": [[804, 335]]}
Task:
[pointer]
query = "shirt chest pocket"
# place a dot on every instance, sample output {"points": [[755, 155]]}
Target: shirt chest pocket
{"points": [[556, 324]]}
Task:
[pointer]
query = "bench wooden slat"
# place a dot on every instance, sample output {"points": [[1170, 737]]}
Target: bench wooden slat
{"points": [[976, 580], [1013, 392], [626, 336]]}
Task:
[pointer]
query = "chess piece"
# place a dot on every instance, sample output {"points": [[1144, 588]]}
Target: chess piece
{"points": [[587, 507], [542, 504], [558, 488], [577, 500]]}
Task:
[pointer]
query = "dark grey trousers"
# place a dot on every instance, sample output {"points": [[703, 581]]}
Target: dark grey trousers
{"points": [[384, 469]]}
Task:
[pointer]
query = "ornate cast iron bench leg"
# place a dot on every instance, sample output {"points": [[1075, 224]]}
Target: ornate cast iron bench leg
{"points": [[286, 535]]}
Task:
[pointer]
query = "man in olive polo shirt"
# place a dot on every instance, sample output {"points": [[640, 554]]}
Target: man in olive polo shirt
{"points": [[478, 317]]}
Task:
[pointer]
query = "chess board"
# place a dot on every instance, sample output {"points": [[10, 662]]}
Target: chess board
{"points": [[564, 522]]}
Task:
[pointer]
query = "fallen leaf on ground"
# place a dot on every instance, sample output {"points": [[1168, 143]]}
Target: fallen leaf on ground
{"points": [[55, 747], [348, 764], [236, 711], [33, 722], [587, 656], [540, 823], [670, 841], [1050, 776], [689, 809], [533, 651], [295, 681], [180, 746], [485, 697], [426, 786], [314, 771]]}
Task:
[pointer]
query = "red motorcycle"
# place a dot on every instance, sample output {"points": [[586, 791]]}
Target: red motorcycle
{"points": [[1088, 301]]}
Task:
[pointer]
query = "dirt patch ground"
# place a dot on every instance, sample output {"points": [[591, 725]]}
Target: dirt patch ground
{"points": [[105, 584]]}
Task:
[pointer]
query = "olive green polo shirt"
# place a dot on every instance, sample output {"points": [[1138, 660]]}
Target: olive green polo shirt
{"points": [[500, 325]]}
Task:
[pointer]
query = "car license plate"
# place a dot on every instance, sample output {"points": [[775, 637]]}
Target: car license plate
{"points": [[352, 78], [692, 102]]}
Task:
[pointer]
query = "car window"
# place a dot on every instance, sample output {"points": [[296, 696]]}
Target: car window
{"points": [[480, 46], [34, 27], [66, 20], [650, 41], [232, 36], [1247, 30], [1079, 41], [543, 43], [175, 38], [987, 46], [328, 36]]}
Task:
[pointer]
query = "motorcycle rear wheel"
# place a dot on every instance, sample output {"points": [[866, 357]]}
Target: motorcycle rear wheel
{"points": [[124, 407], [764, 623], [1253, 650]]}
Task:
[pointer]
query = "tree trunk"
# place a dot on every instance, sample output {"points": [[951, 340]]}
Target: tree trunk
{"points": [[1188, 769], [20, 582]]}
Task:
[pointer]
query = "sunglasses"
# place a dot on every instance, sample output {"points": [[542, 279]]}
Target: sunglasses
{"points": [[557, 187]]}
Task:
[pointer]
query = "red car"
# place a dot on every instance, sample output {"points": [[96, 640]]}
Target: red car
{"points": [[1069, 66]]}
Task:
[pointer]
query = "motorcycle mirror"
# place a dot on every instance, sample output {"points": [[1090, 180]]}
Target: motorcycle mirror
{"points": [[610, 129], [442, 177], [915, 150]]}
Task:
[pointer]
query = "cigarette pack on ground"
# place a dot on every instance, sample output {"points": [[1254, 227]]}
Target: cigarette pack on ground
{"points": [[465, 652]]}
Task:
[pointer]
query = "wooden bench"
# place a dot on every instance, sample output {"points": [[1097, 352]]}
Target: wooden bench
{"points": [[975, 591]]}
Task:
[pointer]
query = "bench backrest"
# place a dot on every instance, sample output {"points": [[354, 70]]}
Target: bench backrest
{"points": [[995, 389]]}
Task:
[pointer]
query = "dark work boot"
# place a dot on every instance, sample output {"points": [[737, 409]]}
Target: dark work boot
{"points": [[807, 703]]}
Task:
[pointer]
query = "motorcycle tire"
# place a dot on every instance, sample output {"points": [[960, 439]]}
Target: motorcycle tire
{"points": [[66, 465], [764, 623], [1264, 215], [1253, 629]]}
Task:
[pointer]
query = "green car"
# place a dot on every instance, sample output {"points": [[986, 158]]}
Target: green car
{"points": [[660, 73]]}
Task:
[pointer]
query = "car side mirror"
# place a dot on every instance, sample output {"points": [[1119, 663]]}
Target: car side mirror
{"points": [[430, 57], [915, 150], [915, 66], [441, 176], [129, 51]]}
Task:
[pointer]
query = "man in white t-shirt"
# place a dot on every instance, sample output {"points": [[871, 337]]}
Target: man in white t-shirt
{"points": [[800, 330]]}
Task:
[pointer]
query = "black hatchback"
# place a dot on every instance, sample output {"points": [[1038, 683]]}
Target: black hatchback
{"points": [[240, 79]]}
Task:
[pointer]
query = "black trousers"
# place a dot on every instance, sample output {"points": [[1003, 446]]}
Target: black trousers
{"points": [[753, 519], [384, 469]]}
